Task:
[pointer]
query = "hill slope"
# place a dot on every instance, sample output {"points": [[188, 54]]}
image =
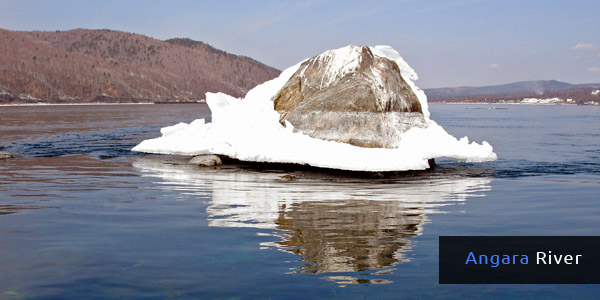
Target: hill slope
{"points": [[517, 90], [104, 65]]}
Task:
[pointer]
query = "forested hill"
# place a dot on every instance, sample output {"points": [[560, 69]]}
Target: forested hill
{"points": [[84, 65]]}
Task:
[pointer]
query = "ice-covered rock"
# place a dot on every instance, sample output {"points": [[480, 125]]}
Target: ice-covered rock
{"points": [[249, 129], [350, 95]]}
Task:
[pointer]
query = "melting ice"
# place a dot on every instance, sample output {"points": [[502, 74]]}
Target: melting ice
{"points": [[248, 129]]}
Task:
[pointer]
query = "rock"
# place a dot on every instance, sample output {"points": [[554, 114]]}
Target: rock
{"points": [[350, 95], [431, 163], [209, 160], [289, 176], [7, 155]]}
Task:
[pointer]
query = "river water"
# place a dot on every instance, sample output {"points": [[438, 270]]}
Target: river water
{"points": [[82, 217]]}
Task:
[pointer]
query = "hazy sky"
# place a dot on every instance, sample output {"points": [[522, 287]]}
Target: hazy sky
{"points": [[448, 43]]}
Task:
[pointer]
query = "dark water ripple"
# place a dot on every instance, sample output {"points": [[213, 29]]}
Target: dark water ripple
{"points": [[521, 168], [108, 131], [101, 144]]}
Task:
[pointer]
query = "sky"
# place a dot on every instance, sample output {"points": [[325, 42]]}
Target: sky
{"points": [[449, 43]]}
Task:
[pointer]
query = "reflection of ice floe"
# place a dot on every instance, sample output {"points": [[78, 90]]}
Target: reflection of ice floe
{"points": [[335, 226]]}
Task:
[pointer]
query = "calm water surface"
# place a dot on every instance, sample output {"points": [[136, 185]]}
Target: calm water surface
{"points": [[83, 217]]}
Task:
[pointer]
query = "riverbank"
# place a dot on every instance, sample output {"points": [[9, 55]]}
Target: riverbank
{"points": [[97, 103]]}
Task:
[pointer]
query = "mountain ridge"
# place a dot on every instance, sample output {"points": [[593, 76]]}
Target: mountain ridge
{"points": [[101, 65], [579, 93]]}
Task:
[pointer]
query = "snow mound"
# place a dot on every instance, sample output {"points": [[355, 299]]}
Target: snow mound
{"points": [[248, 129]]}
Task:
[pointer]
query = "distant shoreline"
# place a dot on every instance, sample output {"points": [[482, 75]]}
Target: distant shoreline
{"points": [[71, 104], [509, 103], [91, 104], [180, 103]]}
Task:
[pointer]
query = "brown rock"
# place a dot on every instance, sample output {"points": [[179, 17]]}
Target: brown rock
{"points": [[350, 95], [209, 160], [7, 155]]}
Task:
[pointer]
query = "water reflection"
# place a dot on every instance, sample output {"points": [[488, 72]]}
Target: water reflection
{"points": [[348, 236], [334, 225], [7, 209]]}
